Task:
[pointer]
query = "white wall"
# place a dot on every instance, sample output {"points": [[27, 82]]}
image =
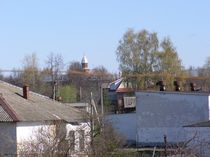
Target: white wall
{"points": [[26, 131], [77, 128], [200, 136], [125, 124], [209, 106], [165, 109], [165, 113], [155, 135]]}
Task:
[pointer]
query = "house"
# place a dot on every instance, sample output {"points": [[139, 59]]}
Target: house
{"points": [[22, 113], [176, 115], [122, 96]]}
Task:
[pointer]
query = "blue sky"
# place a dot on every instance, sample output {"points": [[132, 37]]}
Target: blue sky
{"points": [[91, 27]]}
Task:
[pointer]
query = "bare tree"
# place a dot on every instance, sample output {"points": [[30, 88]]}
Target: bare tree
{"points": [[195, 146], [30, 74], [55, 65], [74, 66], [105, 141]]}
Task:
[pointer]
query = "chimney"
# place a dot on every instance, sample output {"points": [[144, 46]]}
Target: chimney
{"points": [[162, 85], [193, 87], [25, 91], [177, 86]]}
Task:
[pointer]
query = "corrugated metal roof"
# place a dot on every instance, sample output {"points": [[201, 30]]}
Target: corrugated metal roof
{"points": [[37, 107], [4, 116], [114, 85]]}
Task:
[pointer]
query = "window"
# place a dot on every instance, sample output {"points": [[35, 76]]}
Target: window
{"points": [[81, 140], [72, 140]]}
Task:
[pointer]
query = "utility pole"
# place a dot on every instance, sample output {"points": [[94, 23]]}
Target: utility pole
{"points": [[54, 89], [91, 124], [80, 93], [102, 100], [165, 145]]}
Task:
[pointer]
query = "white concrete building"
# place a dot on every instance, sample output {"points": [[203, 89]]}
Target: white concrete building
{"points": [[166, 113], [23, 114], [178, 115]]}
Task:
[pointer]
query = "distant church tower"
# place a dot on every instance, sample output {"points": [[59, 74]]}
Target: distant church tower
{"points": [[84, 63]]}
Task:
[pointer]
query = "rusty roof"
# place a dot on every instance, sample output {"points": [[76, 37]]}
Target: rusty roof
{"points": [[36, 108], [125, 90]]}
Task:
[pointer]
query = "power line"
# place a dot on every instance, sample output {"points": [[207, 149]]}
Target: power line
{"points": [[98, 74], [72, 72]]}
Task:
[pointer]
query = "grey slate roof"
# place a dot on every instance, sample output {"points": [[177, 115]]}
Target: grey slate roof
{"points": [[4, 116], [36, 107]]}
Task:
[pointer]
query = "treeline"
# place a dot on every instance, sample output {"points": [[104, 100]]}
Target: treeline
{"points": [[67, 84], [144, 59]]}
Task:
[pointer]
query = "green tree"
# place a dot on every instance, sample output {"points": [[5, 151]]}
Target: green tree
{"points": [[68, 93], [136, 51], [206, 67], [167, 59], [141, 56], [169, 64], [75, 66], [100, 70]]}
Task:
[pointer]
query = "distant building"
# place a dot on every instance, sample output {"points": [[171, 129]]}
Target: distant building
{"points": [[84, 63], [122, 96]]}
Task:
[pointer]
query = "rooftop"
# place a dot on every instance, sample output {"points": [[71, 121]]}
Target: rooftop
{"points": [[13, 107], [196, 93]]}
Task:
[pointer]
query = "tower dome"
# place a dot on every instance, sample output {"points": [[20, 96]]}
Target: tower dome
{"points": [[84, 60]]}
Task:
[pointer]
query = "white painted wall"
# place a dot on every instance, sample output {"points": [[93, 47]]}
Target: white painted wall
{"points": [[202, 137], [162, 113], [125, 124], [199, 137], [77, 128], [26, 131], [155, 135], [165, 109], [209, 106], [165, 113]]}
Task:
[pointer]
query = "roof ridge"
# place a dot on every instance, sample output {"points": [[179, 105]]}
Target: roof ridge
{"points": [[37, 94], [34, 93]]}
